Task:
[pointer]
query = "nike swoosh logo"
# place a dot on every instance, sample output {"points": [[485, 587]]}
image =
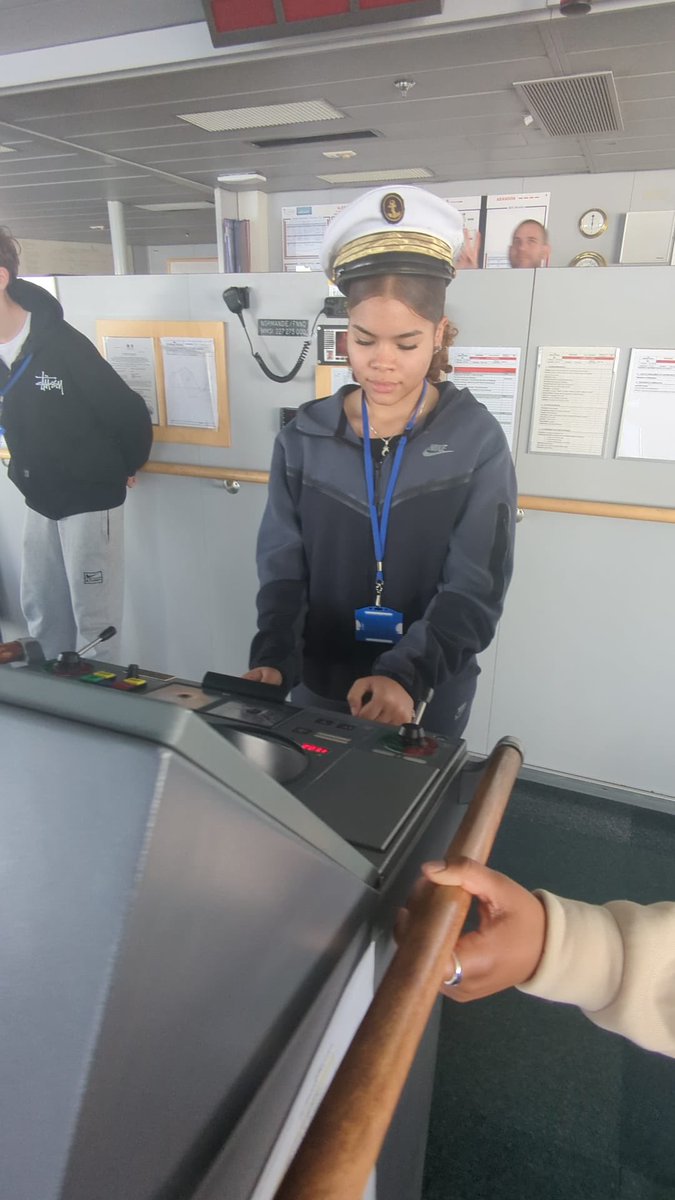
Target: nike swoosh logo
{"points": [[432, 451]]}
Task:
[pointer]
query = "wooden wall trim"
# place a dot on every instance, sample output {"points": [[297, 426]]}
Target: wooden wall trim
{"points": [[580, 508], [227, 474], [598, 508]]}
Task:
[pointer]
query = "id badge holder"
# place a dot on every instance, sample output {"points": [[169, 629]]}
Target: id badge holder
{"points": [[378, 624]]}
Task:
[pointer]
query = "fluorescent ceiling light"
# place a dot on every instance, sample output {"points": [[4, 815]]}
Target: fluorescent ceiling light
{"points": [[378, 176], [263, 115], [339, 153], [242, 177], [175, 206]]}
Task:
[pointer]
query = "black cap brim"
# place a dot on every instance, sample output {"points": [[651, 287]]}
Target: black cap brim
{"points": [[394, 263]]}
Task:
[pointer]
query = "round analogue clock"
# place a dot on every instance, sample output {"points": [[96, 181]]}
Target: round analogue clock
{"points": [[588, 258], [593, 223]]}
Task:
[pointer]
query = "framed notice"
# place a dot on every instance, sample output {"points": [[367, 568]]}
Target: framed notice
{"points": [[329, 379], [332, 344], [572, 398], [491, 373], [303, 227], [504, 214], [134, 359], [648, 418], [179, 368]]}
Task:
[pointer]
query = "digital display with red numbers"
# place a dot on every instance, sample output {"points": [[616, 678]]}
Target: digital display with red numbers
{"points": [[314, 749]]}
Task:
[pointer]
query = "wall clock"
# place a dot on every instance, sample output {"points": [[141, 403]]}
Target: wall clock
{"points": [[593, 222], [588, 258]]}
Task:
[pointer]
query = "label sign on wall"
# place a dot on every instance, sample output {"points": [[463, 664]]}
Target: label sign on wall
{"points": [[282, 327]]}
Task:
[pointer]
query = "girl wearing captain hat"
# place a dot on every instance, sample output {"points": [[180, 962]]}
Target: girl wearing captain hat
{"points": [[385, 550]]}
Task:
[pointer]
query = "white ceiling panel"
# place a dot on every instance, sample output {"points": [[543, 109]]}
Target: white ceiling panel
{"points": [[653, 160], [649, 109], [648, 87], [462, 120], [612, 30], [629, 61], [24, 26]]}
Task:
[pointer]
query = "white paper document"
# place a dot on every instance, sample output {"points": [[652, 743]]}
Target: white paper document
{"points": [[648, 419], [190, 383], [469, 207], [491, 373], [340, 377], [303, 227], [572, 398], [504, 213], [134, 359]]}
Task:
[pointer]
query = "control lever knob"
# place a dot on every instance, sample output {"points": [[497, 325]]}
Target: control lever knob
{"points": [[65, 660], [411, 734]]}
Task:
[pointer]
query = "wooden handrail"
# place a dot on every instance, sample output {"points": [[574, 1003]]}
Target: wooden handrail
{"points": [[581, 508], [598, 508], [343, 1141], [227, 474], [585, 508]]}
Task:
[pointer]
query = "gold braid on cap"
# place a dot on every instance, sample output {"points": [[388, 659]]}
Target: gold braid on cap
{"points": [[391, 241]]}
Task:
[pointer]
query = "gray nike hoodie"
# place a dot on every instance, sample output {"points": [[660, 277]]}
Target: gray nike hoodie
{"points": [[449, 553]]}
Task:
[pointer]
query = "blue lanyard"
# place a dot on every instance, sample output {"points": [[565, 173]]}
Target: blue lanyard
{"points": [[16, 376], [379, 526], [10, 384]]}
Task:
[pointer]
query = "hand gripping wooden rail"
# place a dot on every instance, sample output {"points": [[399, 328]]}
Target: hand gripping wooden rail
{"points": [[342, 1144]]}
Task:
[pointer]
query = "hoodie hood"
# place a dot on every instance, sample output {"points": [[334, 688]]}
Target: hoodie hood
{"points": [[323, 417], [46, 312], [326, 417]]}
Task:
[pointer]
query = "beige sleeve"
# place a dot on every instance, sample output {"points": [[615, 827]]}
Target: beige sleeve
{"points": [[616, 962]]}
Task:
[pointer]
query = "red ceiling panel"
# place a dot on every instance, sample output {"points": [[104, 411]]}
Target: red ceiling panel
{"points": [[242, 14], [309, 10], [237, 22]]}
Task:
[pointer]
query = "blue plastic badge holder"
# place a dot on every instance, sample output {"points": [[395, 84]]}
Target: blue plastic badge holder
{"points": [[378, 624]]}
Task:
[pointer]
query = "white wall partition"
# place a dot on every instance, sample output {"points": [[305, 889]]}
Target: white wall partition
{"points": [[583, 665]]}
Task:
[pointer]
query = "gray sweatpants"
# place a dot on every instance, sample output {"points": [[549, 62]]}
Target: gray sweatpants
{"points": [[72, 579]]}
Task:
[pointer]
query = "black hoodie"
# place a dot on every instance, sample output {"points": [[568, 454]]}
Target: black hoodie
{"points": [[74, 429]]}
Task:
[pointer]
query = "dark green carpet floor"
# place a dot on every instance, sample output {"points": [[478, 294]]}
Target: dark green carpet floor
{"points": [[531, 1101]]}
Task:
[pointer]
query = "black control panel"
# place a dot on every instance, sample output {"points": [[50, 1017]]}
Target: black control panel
{"points": [[367, 781]]}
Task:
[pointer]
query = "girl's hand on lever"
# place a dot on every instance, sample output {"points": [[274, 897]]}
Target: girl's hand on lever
{"points": [[379, 698], [264, 675]]}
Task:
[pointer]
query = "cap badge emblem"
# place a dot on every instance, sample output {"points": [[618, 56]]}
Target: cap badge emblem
{"points": [[392, 208]]}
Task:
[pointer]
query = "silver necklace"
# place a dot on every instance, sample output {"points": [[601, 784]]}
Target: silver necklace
{"points": [[386, 440]]}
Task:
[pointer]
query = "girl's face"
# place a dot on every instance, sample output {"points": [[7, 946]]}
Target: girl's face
{"points": [[390, 348]]}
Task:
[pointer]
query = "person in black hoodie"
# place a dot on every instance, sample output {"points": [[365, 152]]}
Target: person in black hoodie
{"points": [[77, 434]]}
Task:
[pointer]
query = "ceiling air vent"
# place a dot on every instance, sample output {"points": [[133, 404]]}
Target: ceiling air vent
{"points": [[263, 115], [313, 139], [377, 176], [573, 104]]}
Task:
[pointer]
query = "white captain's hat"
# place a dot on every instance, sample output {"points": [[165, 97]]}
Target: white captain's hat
{"points": [[400, 231]]}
